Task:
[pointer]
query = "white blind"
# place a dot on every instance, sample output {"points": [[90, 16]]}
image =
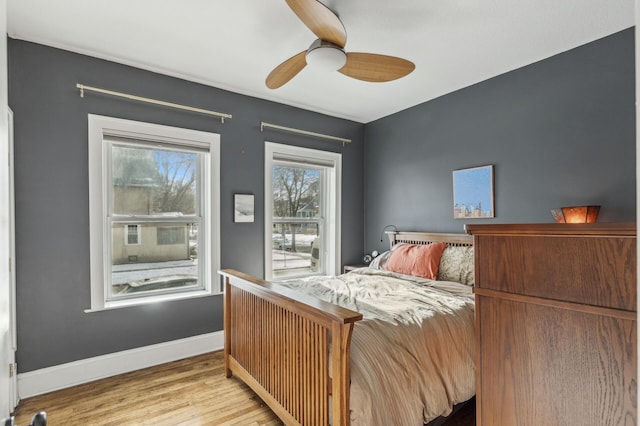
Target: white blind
{"points": [[150, 141], [297, 160]]}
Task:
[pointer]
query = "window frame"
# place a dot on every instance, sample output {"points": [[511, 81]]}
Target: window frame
{"points": [[99, 204], [331, 199]]}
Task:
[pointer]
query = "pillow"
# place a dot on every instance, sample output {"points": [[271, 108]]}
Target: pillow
{"points": [[456, 264], [417, 260], [380, 260]]}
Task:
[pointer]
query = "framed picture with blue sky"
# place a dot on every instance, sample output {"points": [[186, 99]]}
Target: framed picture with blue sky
{"points": [[473, 193]]}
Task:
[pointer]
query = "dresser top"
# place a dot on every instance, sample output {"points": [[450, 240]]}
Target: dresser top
{"points": [[576, 229]]}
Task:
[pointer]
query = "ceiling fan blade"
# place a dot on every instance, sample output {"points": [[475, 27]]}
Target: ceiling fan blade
{"points": [[321, 20], [286, 70], [376, 68]]}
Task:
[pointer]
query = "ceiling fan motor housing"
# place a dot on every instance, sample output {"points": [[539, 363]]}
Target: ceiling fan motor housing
{"points": [[326, 56]]}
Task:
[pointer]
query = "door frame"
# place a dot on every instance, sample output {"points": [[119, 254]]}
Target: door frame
{"points": [[14, 397]]}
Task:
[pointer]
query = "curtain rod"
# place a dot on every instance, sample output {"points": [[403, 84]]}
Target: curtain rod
{"points": [[84, 88], [303, 132]]}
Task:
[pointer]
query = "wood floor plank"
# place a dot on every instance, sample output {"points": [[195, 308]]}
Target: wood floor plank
{"points": [[190, 392]]}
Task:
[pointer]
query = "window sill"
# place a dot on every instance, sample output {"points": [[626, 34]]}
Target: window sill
{"points": [[151, 300]]}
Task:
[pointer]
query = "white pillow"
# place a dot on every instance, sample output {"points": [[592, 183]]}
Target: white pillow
{"points": [[456, 264], [380, 260]]}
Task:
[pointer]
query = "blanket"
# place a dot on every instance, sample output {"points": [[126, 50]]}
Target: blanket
{"points": [[413, 354]]}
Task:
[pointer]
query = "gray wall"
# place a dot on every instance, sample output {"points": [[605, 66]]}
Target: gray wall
{"points": [[559, 132], [52, 207]]}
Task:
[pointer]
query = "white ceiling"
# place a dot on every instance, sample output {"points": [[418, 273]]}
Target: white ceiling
{"points": [[234, 44]]}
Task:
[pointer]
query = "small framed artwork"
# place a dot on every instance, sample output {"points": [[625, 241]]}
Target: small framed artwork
{"points": [[473, 193], [243, 208]]}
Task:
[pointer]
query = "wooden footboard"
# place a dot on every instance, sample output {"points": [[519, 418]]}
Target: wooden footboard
{"points": [[290, 348]]}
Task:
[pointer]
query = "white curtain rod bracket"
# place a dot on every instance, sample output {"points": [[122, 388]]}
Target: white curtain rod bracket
{"points": [[220, 115], [303, 132]]}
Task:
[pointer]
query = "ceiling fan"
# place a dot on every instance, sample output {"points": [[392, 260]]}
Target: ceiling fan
{"points": [[328, 52]]}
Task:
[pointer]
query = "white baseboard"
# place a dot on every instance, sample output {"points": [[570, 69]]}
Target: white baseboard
{"points": [[74, 373]]}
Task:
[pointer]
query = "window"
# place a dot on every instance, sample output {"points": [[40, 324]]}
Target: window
{"points": [[132, 235], [173, 235], [154, 212], [302, 211]]}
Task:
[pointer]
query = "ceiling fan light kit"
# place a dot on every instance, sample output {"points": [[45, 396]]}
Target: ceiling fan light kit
{"points": [[327, 53], [325, 56]]}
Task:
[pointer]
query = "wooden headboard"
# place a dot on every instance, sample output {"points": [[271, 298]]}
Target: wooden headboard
{"points": [[457, 240]]}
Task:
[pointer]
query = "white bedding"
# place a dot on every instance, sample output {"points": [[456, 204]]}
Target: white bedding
{"points": [[412, 355]]}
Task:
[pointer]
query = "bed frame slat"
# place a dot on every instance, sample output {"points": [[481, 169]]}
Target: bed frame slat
{"points": [[397, 237]]}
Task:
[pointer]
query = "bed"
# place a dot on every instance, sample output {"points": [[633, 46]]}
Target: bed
{"points": [[378, 345]]}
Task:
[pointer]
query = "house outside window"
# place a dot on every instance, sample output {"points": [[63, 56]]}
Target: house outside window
{"points": [[302, 211], [154, 212]]}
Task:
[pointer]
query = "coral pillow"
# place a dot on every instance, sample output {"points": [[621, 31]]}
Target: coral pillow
{"points": [[417, 260]]}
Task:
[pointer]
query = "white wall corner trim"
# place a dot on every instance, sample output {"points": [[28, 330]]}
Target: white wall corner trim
{"points": [[74, 373]]}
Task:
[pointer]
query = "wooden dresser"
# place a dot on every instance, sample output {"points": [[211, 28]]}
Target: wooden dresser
{"points": [[556, 324]]}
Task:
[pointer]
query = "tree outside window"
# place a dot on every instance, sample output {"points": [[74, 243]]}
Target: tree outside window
{"points": [[296, 195]]}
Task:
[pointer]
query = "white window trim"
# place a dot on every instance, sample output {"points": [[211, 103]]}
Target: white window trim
{"points": [[332, 201], [98, 202]]}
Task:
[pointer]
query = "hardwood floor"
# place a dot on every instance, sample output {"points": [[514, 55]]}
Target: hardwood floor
{"points": [[191, 392]]}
